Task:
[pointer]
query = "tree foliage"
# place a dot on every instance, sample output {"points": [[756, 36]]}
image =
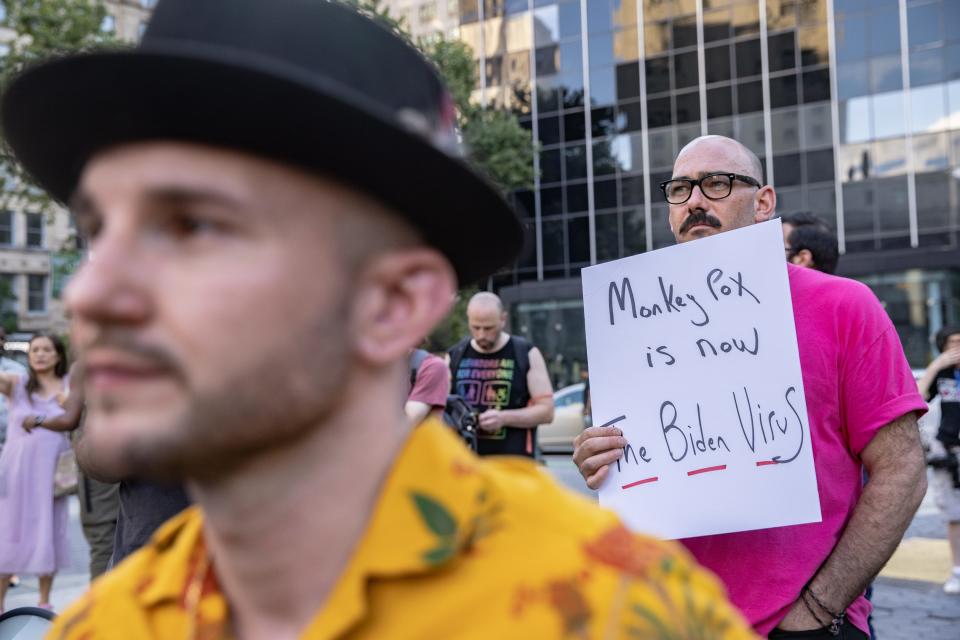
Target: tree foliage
{"points": [[43, 29]]}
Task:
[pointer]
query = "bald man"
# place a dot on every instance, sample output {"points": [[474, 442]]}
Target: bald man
{"points": [[862, 406], [504, 378]]}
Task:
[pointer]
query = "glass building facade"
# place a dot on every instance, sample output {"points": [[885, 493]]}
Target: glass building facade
{"points": [[852, 105]]}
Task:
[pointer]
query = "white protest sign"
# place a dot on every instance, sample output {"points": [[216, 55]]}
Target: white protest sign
{"points": [[693, 354]]}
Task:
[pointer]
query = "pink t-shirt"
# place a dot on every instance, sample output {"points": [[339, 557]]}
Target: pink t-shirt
{"points": [[432, 384], [856, 380]]}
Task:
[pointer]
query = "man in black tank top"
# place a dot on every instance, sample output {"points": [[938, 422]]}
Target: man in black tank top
{"points": [[504, 378]]}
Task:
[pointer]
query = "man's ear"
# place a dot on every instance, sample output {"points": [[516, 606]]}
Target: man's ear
{"points": [[764, 203], [399, 297], [803, 258]]}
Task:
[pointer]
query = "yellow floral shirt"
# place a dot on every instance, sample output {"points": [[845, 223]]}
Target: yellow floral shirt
{"points": [[457, 547]]}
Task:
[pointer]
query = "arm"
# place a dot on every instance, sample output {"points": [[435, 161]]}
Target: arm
{"points": [[7, 382], [416, 411], [538, 411], [944, 360], [67, 421], [898, 481]]}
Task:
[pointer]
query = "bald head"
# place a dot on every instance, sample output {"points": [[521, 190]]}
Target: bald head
{"points": [[707, 214], [739, 157], [486, 318]]}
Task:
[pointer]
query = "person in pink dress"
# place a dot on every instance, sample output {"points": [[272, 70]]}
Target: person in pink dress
{"points": [[33, 524]]}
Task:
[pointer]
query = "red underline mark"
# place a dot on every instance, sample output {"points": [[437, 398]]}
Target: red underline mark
{"points": [[764, 463], [707, 470], [639, 482]]}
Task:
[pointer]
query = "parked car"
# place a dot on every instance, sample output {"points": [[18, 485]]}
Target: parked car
{"points": [[558, 436]]}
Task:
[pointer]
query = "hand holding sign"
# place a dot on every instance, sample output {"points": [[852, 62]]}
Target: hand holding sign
{"points": [[693, 356]]}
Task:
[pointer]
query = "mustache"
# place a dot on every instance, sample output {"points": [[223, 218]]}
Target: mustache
{"points": [[699, 217], [125, 342]]}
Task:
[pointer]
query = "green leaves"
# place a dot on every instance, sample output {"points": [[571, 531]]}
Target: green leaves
{"points": [[441, 524]]}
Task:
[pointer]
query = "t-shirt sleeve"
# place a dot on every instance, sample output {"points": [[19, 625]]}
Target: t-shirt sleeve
{"points": [[433, 380], [877, 385]]}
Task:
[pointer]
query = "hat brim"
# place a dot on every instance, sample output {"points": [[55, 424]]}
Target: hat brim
{"points": [[57, 115]]}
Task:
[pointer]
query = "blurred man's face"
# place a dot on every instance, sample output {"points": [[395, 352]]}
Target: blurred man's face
{"points": [[699, 216], [486, 322], [212, 311]]}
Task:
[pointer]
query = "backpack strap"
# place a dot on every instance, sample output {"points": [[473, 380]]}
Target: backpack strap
{"points": [[521, 349], [416, 359], [456, 355]]}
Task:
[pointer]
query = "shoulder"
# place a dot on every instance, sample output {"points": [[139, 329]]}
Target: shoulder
{"points": [[576, 555], [828, 288], [431, 366], [120, 598]]}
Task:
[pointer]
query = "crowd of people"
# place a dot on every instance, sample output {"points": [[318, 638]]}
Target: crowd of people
{"points": [[303, 485]]}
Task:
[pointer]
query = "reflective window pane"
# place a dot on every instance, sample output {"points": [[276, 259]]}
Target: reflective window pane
{"points": [[817, 128], [855, 120], [658, 74], [603, 122], [858, 208], [884, 32], [717, 63], [552, 234], [574, 127], [886, 74], [813, 45], [786, 130], [656, 37], [720, 102], [659, 113], [662, 151], [781, 14], [892, 207], [685, 32], [603, 88], [631, 190], [888, 116], [634, 232], [819, 165], [889, 157], [816, 85], [626, 46], [604, 160], [551, 201], [569, 19], [601, 49], [550, 162], [628, 81], [608, 236], [716, 25], [630, 117], [576, 198], [549, 130], [547, 61], [851, 34], [786, 169], [928, 109], [598, 16], [688, 107], [781, 51], [783, 91], [686, 70], [927, 67], [931, 153], [749, 96], [749, 131], [605, 194], [925, 23], [746, 19], [571, 56], [933, 201], [748, 58], [853, 80], [578, 233], [575, 158], [546, 25]]}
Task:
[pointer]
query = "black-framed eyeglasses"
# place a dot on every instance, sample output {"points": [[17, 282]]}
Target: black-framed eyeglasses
{"points": [[714, 186]]}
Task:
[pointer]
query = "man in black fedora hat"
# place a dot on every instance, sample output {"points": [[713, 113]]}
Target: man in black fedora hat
{"points": [[256, 168]]}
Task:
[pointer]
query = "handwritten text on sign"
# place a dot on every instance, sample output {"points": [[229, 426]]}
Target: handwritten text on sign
{"points": [[693, 354]]}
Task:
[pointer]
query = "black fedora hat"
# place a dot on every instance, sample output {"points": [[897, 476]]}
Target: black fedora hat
{"points": [[311, 83]]}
